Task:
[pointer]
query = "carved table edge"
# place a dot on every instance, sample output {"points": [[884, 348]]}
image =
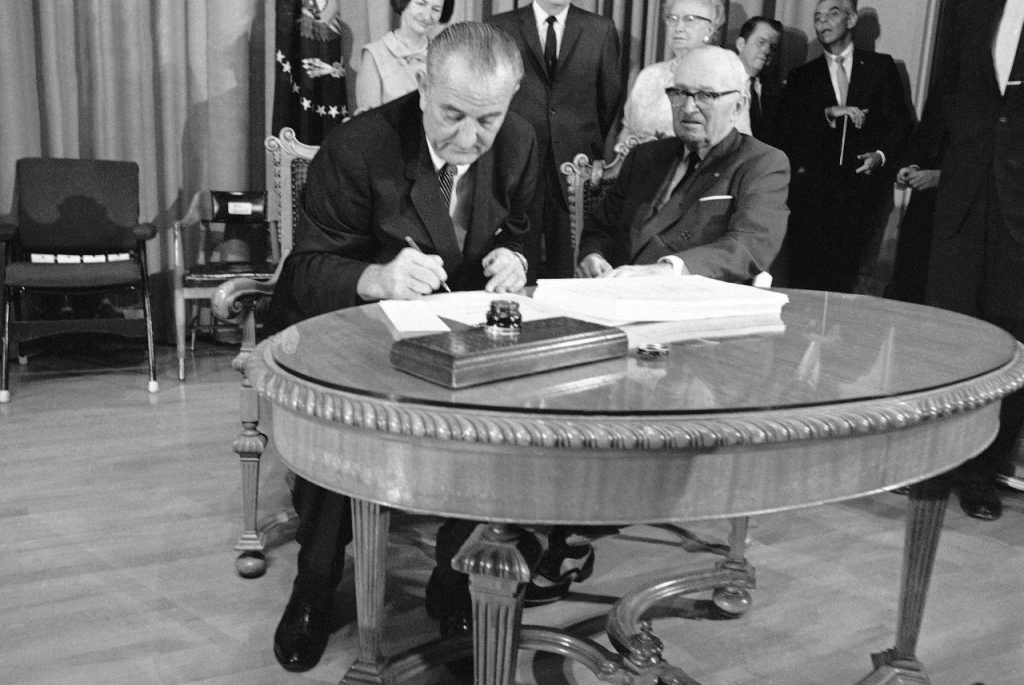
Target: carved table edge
{"points": [[602, 432]]}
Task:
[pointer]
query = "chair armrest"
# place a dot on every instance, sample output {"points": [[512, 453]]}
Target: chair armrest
{"points": [[7, 232], [144, 232], [233, 299]]}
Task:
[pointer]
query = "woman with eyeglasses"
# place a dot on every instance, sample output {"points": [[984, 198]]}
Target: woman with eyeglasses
{"points": [[688, 24], [388, 66]]}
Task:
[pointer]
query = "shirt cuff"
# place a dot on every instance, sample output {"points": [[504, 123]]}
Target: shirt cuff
{"points": [[678, 265], [522, 260], [882, 155]]}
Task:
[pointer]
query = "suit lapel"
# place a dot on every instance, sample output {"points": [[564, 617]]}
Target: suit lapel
{"points": [[483, 208], [694, 187], [528, 27], [426, 198], [572, 33], [824, 79]]}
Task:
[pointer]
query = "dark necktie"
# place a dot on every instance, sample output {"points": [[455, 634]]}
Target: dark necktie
{"points": [[682, 171], [755, 107], [445, 177], [551, 48]]}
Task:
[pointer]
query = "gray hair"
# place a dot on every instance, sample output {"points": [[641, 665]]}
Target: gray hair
{"points": [[730, 62], [486, 48]]}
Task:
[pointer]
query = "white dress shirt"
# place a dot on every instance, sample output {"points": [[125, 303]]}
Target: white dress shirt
{"points": [[541, 18]]}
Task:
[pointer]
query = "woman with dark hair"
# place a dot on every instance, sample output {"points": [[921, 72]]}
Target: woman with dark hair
{"points": [[388, 66]]}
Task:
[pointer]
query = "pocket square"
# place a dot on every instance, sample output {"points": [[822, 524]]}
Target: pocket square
{"points": [[715, 197]]}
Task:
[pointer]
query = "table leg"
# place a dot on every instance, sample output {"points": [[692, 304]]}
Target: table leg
{"points": [[370, 523], [497, 573], [734, 600], [899, 665], [249, 446]]}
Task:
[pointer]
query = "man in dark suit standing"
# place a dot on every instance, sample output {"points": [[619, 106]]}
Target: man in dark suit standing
{"points": [[443, 167], [756, 45], [844, 122], [710, 201], [571, 93], [977, 260]]}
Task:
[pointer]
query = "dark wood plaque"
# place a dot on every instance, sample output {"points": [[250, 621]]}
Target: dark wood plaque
{"points": [[460, 359]]}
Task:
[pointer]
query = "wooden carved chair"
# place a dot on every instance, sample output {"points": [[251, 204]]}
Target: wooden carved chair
{"points": [[586, 181], [77, 231], [238, 301]]}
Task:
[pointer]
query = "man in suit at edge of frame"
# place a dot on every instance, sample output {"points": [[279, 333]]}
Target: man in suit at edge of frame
{"points": [[977, 259], [377, 180]]}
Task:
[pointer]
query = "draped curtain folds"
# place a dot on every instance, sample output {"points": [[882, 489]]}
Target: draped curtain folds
{"points": [[184, 87]]}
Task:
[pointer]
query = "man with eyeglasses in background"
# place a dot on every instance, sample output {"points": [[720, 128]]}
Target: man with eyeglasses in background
{"points": [[844, 124], [710, 201]]}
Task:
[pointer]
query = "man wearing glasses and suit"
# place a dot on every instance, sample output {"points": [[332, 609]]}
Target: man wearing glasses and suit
{"points": [[711, 201]]}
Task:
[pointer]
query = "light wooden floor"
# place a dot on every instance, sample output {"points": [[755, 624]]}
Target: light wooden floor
{"points": [[119, 510]]}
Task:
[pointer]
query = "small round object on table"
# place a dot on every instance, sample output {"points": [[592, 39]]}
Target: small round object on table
{"points": [[652, 351]]}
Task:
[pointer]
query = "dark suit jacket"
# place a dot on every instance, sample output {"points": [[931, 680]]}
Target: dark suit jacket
{"points": [[771, 101], [373, 183], [575, 112], [813, 145], [986, 128], [727, 222]]}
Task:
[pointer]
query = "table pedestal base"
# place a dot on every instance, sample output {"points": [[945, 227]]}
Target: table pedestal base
{"points": [[498, 574]]}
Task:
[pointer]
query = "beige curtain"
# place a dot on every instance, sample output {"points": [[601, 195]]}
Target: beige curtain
{"points": [[184, 88]]}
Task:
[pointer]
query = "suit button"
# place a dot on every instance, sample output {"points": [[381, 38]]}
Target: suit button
{"points": [[1002, 120], [686, 235]]}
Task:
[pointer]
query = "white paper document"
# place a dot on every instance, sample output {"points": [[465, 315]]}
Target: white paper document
{"points": [[471, 307], [617, 301], [409, 316]]}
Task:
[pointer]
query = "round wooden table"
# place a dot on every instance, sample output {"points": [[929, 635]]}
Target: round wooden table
{"points": [[857, 395]]}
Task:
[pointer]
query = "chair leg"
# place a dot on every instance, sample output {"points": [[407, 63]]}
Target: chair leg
{"points": [[180, 312], [147, 311], [5, 301]]}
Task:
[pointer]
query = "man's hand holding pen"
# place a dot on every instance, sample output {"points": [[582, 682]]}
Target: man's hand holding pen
{"points": [[409, 275], [412, 274]]}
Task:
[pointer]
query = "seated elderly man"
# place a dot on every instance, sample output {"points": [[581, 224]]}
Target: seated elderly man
{"points": [[711, 201]]}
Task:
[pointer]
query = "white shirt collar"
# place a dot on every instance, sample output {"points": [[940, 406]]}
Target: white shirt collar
{"points": [[541, 18], [439, 162], [845, 55]]}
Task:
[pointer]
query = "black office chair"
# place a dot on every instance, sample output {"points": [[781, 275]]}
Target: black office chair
{"points": [[77, 231], [197, 277]]}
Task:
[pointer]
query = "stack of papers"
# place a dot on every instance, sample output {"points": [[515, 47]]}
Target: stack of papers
{"points": [[647, 308], [691, 305]]}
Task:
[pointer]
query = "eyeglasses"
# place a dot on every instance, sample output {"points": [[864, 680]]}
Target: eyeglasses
{"points": [[833, 16], [703, 98], [689, 21]]}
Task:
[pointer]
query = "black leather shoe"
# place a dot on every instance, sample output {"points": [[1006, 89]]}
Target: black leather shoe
{"points": [[561, 565], [981, 501], [456, 625], [301, 636]]}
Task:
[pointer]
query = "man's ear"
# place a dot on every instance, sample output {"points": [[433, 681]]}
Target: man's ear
{"points": [[851, 20], [422, 85], [739, 44]]}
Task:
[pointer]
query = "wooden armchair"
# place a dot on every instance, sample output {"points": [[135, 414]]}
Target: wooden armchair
{"points": [[238, 301], [586, 182]]}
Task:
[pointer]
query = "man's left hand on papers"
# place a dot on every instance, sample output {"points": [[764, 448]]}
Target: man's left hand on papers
{"points": [[505, 270]]}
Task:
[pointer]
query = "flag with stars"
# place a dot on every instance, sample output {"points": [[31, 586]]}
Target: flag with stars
{"points": [[309, 72]]}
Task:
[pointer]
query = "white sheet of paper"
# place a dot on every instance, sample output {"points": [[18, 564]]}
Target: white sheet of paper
{"points": [[412, 315], [470, 307]]}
